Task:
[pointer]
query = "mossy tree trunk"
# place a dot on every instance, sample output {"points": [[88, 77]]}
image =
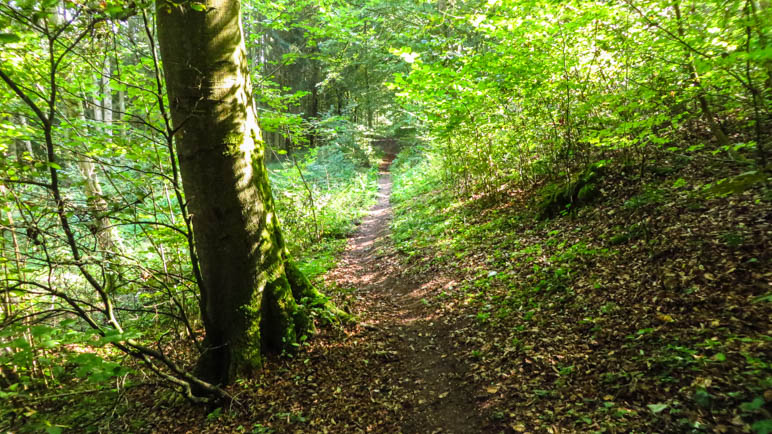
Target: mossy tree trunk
{"points": [[252, 297]]}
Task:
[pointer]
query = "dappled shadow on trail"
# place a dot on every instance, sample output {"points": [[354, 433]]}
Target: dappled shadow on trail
{"points": [[413, 369]]}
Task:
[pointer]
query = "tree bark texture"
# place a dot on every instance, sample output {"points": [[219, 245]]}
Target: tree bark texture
{"points": [[251, 296]]}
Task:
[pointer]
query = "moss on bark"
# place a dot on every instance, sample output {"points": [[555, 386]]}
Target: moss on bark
{"points": [[253, 299]]}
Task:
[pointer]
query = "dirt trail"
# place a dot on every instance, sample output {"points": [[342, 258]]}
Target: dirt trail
{"points": [[415, 368]]}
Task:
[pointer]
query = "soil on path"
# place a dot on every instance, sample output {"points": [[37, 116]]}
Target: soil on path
{"points": [[414, 364]]}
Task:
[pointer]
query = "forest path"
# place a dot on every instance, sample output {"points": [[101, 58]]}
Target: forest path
{"points": [[413, 370]]}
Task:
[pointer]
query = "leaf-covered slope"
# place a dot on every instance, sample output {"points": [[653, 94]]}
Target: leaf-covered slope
{"points": [[646, 311]]}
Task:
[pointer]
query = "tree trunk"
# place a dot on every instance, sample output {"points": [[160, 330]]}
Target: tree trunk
{"points": [[251, 296], [22, 145], [107, 236], [713, 123], [105, 98]]}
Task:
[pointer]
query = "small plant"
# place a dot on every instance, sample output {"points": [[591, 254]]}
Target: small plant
{"points": [[291, 417], [648, 197], [609, 307], [214, 414], [733, 238], [261, 429]]}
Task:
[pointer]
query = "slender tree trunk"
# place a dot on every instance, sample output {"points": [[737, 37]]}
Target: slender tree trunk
{"points": [[313, 111], [7, 303], [107, 236], [106, 95], [715, 126], [119, 114], [252, 295], [22, 145]]}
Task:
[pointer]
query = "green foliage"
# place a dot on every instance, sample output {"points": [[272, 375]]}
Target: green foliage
{"points": [[646, 198], [527, 90], [763, 426], [342, 189]]}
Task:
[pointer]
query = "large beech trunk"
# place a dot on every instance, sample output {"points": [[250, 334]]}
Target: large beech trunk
{"points": [[251, 297]]}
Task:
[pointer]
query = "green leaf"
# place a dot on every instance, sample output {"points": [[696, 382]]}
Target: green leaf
{"points": [[114, 10], [702, 398], [40, 330], [762, 426], [680, 182], [7, 395], [767, 297], [657, 408], [197, 6], [752, 406], [214, 415], [9, 38]]}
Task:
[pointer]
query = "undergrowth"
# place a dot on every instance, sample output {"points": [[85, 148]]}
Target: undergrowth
{"points": [[320, 194], [61, 378]]}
